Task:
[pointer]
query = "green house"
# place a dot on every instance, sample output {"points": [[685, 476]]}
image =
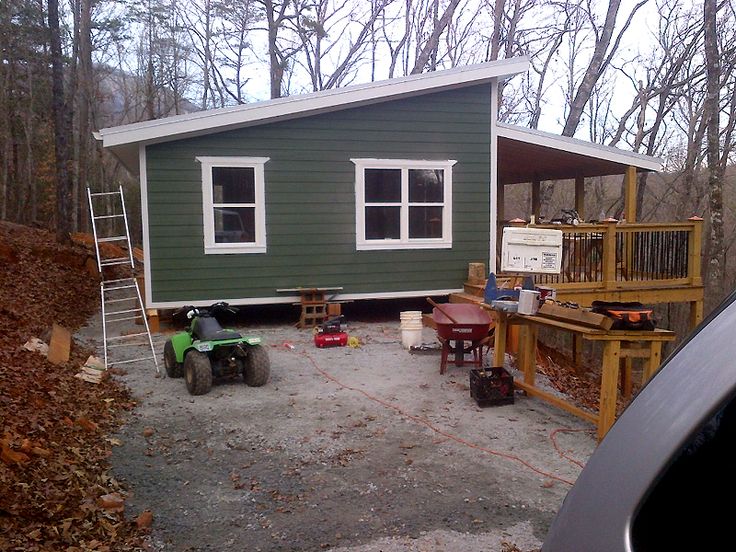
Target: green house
{"points": [[385, 189]]}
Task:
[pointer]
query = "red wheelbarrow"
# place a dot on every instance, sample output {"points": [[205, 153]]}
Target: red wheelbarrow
{"points": [[458, 324]]}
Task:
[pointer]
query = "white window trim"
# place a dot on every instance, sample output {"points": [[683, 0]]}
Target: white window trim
{"points": [[256, 163], [445, 242]]}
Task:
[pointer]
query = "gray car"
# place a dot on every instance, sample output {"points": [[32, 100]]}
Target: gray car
{"points": [[664, 477]]}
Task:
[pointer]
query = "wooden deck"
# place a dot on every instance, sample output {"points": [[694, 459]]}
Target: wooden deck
{"points": [[651, 263]]}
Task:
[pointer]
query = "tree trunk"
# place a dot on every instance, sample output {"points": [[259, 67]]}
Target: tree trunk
{"points": [[715, 268], [61, 127], [496, 36], [276, 70], [84, 98], [430, 48], [593, 72]]}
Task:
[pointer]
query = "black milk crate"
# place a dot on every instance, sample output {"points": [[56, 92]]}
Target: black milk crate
{"points": [[491, 386]]}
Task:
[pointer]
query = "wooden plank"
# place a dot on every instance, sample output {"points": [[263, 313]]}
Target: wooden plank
{"points": [[60, 345], [657, 335], [556, 401], [630, 194], [577, 316], [609, 387], [580, 196]]}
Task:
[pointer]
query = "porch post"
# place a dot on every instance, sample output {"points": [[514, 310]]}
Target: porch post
{"points": [[536, 204], [580, 196], [501, 200], [630, 194], [493, 157]]}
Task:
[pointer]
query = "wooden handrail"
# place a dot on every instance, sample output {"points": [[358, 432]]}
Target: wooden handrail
{"points": [[630, 253]]}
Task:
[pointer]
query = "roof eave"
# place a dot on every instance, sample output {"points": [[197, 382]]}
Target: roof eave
{"points": [[218, 120], [581, 147]]}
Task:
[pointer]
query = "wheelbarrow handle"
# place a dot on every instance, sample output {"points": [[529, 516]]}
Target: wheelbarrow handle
{"points": [[443, 311]]}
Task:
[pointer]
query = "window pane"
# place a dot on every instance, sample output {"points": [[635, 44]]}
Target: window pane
{"points": [[426, 185], [382, 185], [425, 222], [235, 225], [233, 185], [382, 223]]}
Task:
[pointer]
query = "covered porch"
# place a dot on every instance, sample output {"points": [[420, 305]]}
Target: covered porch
{"points": [[610, 260]]}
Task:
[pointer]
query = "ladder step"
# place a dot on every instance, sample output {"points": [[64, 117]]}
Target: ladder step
{"points": [[126, 311], [133, 360], [118, 280], [122, 319], [133, 298], [113, 262], [111, 239], [117, 337], [117, 287], [107, 217], [141, 344], [105, 193]]}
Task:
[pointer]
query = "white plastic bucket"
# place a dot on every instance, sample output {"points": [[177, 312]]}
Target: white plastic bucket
{"points": [[411, 337], [411, 328]]}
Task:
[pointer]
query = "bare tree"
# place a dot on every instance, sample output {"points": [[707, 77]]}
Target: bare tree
{"points": [[429, 49], [61, 127]]}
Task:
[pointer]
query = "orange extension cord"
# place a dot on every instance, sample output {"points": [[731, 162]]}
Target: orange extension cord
{"points": [[459, 440]]}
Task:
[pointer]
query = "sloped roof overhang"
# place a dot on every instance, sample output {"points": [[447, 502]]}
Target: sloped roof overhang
{"points": [[526, 155], [124, 140]]}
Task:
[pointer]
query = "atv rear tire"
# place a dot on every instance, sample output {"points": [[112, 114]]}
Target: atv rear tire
{"points": [[198, 372], [257, 366], [173, 369]]}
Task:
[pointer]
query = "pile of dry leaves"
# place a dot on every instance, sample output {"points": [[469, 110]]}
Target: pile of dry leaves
{"points": [[55, 491]]}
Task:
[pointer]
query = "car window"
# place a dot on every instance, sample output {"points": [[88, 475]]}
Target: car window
{"points": [[691, 505]]}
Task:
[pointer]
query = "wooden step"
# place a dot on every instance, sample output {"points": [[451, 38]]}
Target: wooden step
{"points": [[465, 298]]}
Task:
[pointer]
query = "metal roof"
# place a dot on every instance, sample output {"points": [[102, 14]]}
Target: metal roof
{"points": [[124, 140]]}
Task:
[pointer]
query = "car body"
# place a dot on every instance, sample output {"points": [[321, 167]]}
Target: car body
{"points": [[658, 479]]}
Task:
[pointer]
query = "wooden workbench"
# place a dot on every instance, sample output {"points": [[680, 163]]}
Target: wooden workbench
{"points": [[617, 344]]}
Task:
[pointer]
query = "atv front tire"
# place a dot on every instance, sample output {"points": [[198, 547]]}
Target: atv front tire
{"points": [[257, 366], [173, 369], [198, 373]]}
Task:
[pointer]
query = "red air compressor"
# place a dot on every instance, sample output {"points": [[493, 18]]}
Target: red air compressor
{"points": [[330, 334]]}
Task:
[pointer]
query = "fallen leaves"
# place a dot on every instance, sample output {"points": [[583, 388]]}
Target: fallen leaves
{"points": [[112, 502], [53, 448], [144, 520]]}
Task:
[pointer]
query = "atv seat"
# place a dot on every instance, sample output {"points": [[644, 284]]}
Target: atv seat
{"points": [[207, 328]]}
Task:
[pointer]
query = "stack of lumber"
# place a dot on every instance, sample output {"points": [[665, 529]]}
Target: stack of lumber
{"points": [[575, 316]]}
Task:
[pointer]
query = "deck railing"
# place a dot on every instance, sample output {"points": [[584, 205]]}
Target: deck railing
{"points": [[619, 256]]}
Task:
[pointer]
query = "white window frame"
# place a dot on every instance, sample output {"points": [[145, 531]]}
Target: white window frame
{"points": [[404, 242], [208, 205]]}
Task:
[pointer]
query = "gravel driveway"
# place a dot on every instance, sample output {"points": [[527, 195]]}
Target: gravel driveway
{"points": [[367, 449]]}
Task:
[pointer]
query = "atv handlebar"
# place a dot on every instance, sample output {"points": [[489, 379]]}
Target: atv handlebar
{"points": [[213, 310]]}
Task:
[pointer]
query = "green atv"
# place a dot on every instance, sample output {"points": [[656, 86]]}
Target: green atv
{"points": [[206, 351]]}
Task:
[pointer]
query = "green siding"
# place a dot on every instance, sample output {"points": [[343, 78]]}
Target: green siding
{"points": [[310, 201]]}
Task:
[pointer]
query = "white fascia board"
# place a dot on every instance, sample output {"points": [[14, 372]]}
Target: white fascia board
{"points": [[217, 120], [292, 298], [580, 147]]}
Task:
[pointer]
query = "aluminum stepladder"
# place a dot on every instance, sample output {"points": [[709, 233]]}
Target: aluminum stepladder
{"points": [[120, 297]]}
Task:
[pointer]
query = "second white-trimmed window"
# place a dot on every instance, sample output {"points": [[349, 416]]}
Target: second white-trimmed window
{"points": [[403, 204]]}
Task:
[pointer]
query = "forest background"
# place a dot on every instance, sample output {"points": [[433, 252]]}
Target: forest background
{"points": [[651, 76]]}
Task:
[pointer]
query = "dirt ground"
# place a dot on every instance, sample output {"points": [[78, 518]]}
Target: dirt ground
{"points": [[361, 450]]}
